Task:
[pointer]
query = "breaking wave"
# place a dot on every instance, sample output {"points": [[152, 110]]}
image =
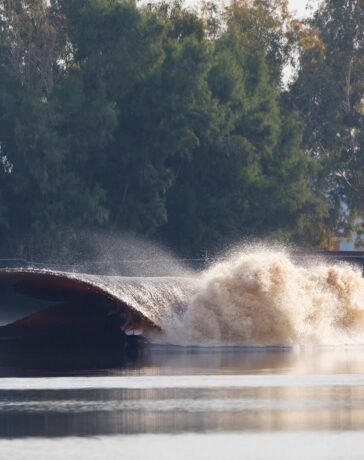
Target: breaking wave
{"points": [[258, 296], [264, 297]]}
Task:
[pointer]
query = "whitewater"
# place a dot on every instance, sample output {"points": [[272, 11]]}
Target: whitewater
{"points": [[265, 297], [256, 296]]}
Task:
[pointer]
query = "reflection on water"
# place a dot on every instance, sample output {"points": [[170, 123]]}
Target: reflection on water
{"points": [[210, 393], [25, 362]]}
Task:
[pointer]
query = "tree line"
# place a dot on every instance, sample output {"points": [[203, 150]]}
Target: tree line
{"points": [[178, 125]]}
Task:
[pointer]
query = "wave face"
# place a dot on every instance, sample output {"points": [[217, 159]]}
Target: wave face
{"points": [[262, 297], [156, 298]]}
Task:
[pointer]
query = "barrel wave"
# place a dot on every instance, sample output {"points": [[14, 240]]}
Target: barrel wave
{"points": [[257, 296]]}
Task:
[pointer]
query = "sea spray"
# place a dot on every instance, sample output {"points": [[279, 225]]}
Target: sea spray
{"points": [[263, 297]]}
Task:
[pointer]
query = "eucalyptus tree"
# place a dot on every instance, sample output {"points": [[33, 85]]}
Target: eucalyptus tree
{"points": [[329, 95]]}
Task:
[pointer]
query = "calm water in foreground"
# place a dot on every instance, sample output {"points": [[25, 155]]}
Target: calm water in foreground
{"points": [[183, 404]]}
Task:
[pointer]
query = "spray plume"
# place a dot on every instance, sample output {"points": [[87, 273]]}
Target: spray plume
{"points": [[261, 296]]}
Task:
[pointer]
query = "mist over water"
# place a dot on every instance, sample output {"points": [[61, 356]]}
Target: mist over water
{"points": [[261, 296], [108, 253]]}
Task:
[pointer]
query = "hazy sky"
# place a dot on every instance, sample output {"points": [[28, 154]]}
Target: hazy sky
{"points": [[299, 7]]}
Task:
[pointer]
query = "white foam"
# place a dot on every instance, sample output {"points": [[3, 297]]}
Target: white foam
{"points": [[261, 296]]}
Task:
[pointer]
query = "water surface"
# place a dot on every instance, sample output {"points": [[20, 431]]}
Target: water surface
{"points": [[184, 403]]}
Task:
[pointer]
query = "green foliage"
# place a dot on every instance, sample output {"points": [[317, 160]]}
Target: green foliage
{"points": [[250, 179], [153, 120], [329, 94]]}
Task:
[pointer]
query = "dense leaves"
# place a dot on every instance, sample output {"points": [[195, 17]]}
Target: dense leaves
{"points": [[174, 125], [329, 93]]}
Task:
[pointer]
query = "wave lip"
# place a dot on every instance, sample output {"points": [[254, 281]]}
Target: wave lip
{"points": [[153, 298]]}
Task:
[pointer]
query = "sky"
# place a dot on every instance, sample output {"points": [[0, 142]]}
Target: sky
{"points": [[299, 7]]}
